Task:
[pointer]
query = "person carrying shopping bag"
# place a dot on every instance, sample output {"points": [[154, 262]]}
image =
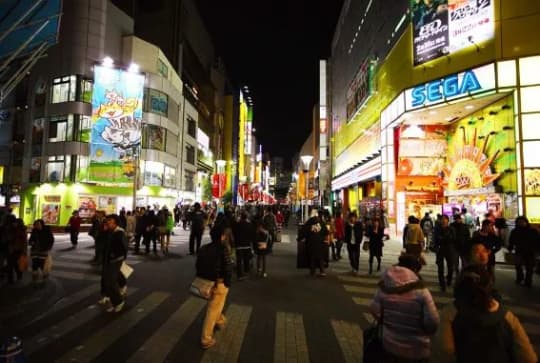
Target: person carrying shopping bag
{"points": [[41, 242]]}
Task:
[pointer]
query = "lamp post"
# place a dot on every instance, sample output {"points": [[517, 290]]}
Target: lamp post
{"points": [[306, 160]]}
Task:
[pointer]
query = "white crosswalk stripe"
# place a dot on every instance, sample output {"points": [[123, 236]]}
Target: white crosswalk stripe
{"points": [[90, 348]]}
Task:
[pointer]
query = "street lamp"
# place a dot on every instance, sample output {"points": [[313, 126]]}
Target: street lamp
{"points": [[306, 160]]}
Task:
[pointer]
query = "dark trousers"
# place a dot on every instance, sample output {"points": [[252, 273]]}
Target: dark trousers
{"points": [[13, 266], [336, 249], [74, 236], [243, 260], [354, 255], [449, 256], [371, 256], [110, 282], [150, 236], [195, 238], [261, 263], [138, 236], [316, 261], [524, 262]]}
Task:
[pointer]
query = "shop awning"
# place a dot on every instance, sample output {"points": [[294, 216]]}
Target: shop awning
{"points": [[27, 29], [366, 171]]}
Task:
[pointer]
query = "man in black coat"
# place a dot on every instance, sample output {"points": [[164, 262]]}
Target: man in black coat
{"points": [[244, 236], [197, 218], [114, 254]]}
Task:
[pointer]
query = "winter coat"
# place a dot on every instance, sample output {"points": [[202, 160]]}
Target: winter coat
{"points": [[410, 316], [526, 240], [444, 239], [463, 237], [412, 234], [41, 241], [261, 236], [375, 240], [244, 233], [131, 224], [214, 261], [339, 229], [494, 336], [115, 248], [170, 223], [314, 232]]}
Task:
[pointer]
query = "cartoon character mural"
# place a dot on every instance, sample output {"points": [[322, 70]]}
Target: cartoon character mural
{"points": [[116, 125]]}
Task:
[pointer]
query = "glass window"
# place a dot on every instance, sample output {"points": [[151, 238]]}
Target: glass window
{"points": [[170, 177], [189, 181], [506, 72], [64, 89], [531, 150], [82, 168], [153, 173], [61, 128], [156, 102], [35, 170], [529, 99], [153, 137], [85, 128], [190, 154], [57, 168], [172, 143], [528, 70], [530, 124], [191, 127], [86, 87], [37, 131], [162, 68]]}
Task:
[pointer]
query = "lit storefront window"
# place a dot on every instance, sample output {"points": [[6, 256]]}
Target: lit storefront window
{"points": [[529, 124], [528, 71], [529, 99], [57, 168]]}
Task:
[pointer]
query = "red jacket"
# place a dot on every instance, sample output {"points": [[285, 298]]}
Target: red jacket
{"points": [[75, 223], [339, 229]]}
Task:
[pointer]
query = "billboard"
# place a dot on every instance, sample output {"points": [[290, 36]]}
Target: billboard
{"points": [[441, 27], [115, 138]]}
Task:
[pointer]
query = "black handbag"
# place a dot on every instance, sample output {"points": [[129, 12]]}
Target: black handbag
{"points": [[373, 347]]}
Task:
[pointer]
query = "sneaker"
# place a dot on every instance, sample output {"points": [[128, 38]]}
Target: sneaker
{"points": [[209, 344], [118, 308], [104, 300]]}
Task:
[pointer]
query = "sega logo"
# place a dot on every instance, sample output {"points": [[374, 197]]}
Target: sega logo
{"points": [[447, 87]]}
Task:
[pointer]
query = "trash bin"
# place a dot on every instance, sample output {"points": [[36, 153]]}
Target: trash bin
{"points": [[11, 351]]}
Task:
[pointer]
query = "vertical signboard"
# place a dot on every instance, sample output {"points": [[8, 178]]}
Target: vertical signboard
{"points": [[116, 125], [441, 27]]}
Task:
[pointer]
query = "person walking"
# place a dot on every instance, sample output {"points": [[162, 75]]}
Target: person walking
{"points": [[354, 233], [41, 242], [244, 236], [260, 247], [270, 224], [150, 231], [525, 240], [339, 236], [486, 235], [463, 241], [375, 234], [215, 263], [162, 217], [169, 230], [426, 224], [408, 313], [444, 240], [413, 237], [74, 228], [197, 218], [140, 228], [17, 247], [131, 225], [114, 254], [477, 328], [314, 232]]}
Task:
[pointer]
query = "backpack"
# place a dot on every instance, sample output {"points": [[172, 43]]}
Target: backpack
{"points": [[481, 341]]}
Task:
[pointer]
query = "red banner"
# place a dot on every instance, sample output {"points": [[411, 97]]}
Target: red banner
{"points": [[219, 184]]}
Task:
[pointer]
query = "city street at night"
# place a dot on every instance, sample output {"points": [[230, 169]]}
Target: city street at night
{"points": [[286, 317]]}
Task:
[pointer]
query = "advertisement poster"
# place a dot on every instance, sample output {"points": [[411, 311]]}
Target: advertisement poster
{"points": [[420, 166], [155, 138], [87, 207], [50, 213], [441, 27], [532, 181], [107, 204], [116, 125], [430, 29]]}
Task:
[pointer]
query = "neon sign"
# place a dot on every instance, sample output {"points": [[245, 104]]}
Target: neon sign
{"points": [[453, 86], [447, 87]]}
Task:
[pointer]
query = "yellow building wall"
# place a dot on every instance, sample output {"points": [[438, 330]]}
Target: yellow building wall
{"points": [[516, 35]]}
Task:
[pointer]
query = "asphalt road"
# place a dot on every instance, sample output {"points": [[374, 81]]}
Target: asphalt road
{"points": [[287, 317]]}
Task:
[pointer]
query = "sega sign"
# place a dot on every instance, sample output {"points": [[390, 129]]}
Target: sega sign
{"points": [[454, 86]]}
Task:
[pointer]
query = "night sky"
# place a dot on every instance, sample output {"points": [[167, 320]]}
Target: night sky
{"points": [[274, 47]]}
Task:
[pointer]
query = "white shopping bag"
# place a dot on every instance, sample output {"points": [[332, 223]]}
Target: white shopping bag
{"points": [[126, 269]]}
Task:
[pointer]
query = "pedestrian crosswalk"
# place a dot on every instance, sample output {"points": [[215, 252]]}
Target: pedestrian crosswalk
{"points": [[165, 326]]}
